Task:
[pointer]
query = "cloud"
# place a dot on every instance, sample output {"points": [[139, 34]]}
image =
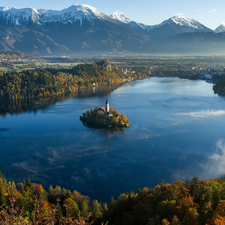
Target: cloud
{"points": [[215, 166], [180, 131], [203, 166], [213, 10], [203, 113], [199, 10]]}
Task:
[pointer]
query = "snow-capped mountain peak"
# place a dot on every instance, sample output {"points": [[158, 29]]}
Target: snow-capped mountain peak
{"points": [[180, 20], [21, 17], [18, 17], [72, 14], [84, 14], [220, 28], [120, 16], [6, 8], [82, 7], [134, 25]]}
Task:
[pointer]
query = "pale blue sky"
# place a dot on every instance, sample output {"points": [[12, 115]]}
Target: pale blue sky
{"points": [[209, 12]]}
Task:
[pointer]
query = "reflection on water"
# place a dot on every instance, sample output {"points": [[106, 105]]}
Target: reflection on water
{"points": [[32, 105], [106, 130], [177, 132]]}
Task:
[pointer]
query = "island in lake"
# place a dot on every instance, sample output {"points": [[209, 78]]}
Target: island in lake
{"points": [[104, 117]]}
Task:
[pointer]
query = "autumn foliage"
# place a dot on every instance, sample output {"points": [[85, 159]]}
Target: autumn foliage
{"points": [[46, 82], [29, 203], [94, 117], [181, 203], [190, 203]]}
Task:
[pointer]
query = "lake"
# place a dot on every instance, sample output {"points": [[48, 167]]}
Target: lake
{"points": [[177, 132]]}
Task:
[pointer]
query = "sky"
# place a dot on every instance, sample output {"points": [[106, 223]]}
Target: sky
{"points": [[208, 12]]}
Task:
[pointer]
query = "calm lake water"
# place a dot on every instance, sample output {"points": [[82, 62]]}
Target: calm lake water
{"points": [[177, 132]]}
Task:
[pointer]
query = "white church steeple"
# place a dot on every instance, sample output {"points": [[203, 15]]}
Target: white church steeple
{"points": [[107, 106]]}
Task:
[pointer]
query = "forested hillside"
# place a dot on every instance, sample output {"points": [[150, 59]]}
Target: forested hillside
{"points": [[219, 85], [29, 203], [15, 55], [189, 203], [45, 82]]}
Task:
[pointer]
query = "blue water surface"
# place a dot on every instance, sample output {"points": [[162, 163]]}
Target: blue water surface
{"points": [[177, 132]]}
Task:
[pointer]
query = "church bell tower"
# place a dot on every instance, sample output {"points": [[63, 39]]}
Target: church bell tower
{"points": [[107, 106]]}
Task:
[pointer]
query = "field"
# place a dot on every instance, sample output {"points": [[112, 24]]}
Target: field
{"points": [[21, 67]]}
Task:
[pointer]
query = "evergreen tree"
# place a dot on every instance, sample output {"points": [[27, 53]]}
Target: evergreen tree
{"points": [[162, 183], [187, 184], [2, 196], [104, 207], [111, 202], [59, 211], [75, 208], [216, 197], [208, 196], [28, 182], [96, 209], [139, 191], [194, 189], [13, 186], [84, 210]]}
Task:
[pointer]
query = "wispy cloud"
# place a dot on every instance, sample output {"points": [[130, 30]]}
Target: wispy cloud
{"points": [[199, 10], [203, 113], [211, 166], [215, 166], [213, 10]]}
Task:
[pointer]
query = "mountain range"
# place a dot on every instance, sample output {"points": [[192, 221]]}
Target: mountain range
{"points": [[82, 29]]}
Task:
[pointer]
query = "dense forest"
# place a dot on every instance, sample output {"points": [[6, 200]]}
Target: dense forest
{"points": [[17, 106], [46, 82], [28, 203], [189, 203], [219, 85]]}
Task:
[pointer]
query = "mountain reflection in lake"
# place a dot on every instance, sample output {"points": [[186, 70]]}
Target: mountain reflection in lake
{"points": [[177, 131]]}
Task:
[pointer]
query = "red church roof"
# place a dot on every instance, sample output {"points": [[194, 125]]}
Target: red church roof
{"points": [[102, 108]]}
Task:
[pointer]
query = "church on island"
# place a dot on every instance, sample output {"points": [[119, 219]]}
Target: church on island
{"points": [[103, 116], [105, 110]]}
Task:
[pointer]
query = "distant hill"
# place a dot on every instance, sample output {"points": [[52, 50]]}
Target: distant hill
{"points": [[15, 55], [29, 41], [204, 42], [46, 82]]}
